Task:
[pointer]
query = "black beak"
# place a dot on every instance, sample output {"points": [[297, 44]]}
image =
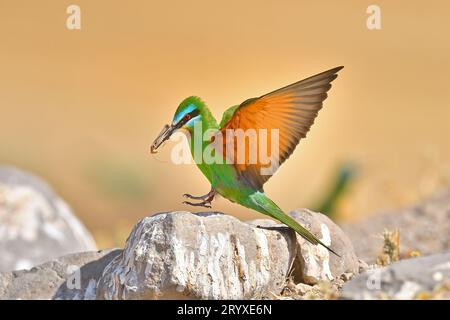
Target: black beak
{"points": [[164, 135], [167, 131]]}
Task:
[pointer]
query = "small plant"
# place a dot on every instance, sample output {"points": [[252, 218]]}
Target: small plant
{"points": [[391, 248]]}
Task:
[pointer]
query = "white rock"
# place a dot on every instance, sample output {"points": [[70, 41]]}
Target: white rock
{"points": [[72, 277], [315, 263], [35, 224], [210, 256], [401, 280], [194, 256]]}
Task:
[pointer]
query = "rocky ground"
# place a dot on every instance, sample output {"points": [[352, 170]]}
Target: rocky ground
{"points": [[211, 255], [424, 228]]}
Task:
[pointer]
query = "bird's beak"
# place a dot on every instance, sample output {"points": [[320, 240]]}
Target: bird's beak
{"points": [[164, 135]]}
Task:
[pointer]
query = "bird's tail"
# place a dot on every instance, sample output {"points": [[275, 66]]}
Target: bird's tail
{"points": [[260, 202]]}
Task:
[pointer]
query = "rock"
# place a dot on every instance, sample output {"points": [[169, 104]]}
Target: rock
{"points": [[70, 277], [82, 283], [316, 263], [199, 256], [212, 256], [406, 279], [195, 256], [35, 224], [418, 228]]}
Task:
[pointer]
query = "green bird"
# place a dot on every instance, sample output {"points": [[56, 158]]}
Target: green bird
{"points": [[289, 111]]}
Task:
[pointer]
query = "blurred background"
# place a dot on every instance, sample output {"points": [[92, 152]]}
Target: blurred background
{"points": [[80, 108]]}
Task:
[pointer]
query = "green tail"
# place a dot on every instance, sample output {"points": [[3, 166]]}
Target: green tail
{"points": [[260, 202]]}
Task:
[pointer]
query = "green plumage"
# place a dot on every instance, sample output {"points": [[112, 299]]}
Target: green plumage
{"points": [[293, 108]]}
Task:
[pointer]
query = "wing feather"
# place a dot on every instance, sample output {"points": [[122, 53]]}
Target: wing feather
{"points": [[291, 110]]}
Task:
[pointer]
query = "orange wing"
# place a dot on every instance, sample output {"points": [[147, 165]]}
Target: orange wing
{"points": [[291, 110]]}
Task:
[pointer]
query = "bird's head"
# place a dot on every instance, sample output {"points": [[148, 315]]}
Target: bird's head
{"points": [[185, 117]]}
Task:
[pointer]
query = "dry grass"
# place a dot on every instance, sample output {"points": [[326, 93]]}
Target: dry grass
{"points": [[391, 248], [323, 290], [440, 292], [390, 251]]}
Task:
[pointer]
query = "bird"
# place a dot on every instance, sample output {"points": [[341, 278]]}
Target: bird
{"points": [[289, 111]]}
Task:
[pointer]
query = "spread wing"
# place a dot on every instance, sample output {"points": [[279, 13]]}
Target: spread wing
{"points": [[291, 110]]}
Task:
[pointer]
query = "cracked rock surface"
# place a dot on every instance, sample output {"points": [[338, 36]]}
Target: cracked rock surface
{"points": [[215, 256], [209, 256]]}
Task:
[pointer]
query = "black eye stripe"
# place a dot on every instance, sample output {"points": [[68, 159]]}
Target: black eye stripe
{"points": [[194, 113], [185, 119], [191, 115]]}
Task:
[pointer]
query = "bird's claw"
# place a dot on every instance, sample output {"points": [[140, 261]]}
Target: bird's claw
{"points": [[200, 204], [190, 196], [205, 200]]}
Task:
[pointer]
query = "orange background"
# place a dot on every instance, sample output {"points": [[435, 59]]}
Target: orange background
{"points": [[80, 108]]}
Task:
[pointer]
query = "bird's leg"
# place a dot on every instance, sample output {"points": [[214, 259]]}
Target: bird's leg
{"points": [[210, 196], [207, 198]]}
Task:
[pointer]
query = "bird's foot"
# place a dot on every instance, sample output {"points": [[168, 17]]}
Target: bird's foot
{"points": [[190, 196], [207, 197], [205, 204]]}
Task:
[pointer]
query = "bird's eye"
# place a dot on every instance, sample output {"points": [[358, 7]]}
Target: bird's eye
{"points": [[187, 117]]}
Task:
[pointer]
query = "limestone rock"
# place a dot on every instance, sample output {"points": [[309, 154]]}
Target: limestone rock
{"points": [[35, 224], [406, 279], [70, 277], [82, 280], [315, 263], [199, 256]]}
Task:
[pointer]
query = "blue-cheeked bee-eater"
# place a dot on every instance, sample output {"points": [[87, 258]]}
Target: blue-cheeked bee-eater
{"points": [[290, 110]]}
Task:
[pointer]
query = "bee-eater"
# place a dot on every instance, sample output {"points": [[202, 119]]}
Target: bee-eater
{"points": [[290, 110]]}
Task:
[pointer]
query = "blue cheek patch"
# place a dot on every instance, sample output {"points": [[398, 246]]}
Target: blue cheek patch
{"points": [[180, 115]]}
